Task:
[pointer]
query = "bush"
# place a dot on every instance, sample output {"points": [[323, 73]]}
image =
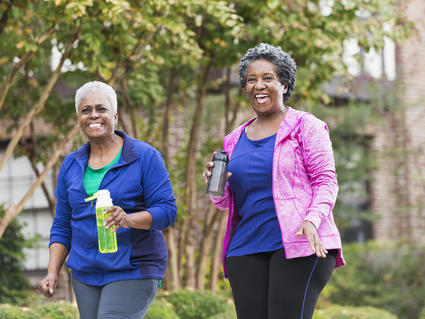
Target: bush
{"points": [[14, 287], [388, 276], [59, 310], [160, 309], [347, 312], [197, 304], [15, 312], [224, 315]]}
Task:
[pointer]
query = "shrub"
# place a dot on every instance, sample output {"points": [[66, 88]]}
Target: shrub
{"points": [[388, 276], [160, 309], [197, 304], [224, 315], [347, 312], [58, 310], [15, 312]]}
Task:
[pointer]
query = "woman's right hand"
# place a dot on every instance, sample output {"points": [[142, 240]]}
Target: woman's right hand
{"points": [[207, 173], [47, 285]]}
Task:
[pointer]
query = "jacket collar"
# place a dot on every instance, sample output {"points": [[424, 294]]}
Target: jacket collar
{"points": [[290, 122], [128, 153]]}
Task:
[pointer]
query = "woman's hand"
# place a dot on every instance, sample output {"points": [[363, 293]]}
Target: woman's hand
{"points": [[117, 218], [207, 173], [47, 285], [307, 228]]}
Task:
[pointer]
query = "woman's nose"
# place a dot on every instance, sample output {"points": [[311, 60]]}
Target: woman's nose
{"points": [[94, 114], [259, 84]]}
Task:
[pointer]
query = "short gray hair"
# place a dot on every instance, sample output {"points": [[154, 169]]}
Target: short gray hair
{"points": [[106, 89], [286, 68]]}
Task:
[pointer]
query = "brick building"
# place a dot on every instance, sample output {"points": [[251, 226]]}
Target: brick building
{"points": [[398, 188]]}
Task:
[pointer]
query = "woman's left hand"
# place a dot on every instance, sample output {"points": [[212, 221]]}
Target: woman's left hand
{"points": [[307, 228], [117, 218]]}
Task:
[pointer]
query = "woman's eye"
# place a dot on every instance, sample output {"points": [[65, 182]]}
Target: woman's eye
{"points": [[268, 78], [251, 80]]}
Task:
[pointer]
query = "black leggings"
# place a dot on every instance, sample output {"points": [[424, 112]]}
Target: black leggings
{"points": [[269, 286]]}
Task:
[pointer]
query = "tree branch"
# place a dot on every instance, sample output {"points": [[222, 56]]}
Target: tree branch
{"points": [[42, 101], [23, 61], [13, 210]]}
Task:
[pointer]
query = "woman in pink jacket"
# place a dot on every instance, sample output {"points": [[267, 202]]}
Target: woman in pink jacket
{"points": [[281, 243]]}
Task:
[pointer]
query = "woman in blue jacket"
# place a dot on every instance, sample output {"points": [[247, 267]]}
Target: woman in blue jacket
{"points": [[121, 284]]}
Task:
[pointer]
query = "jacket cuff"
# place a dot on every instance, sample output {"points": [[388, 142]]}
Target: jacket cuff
{"points": [[61, 240], [159, 218], [315, 220]]}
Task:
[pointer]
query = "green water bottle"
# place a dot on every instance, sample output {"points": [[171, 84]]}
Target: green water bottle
{"points": [[106, 237]]}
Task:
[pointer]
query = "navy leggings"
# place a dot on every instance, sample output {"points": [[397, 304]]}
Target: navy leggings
{"points": [[269, 286], [129, 299]]}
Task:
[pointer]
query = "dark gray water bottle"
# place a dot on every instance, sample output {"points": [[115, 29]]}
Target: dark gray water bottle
{"points": [[217, 180]]}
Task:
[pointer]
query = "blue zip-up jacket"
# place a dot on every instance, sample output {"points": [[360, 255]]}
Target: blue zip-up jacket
{"points": [[139, 181]]}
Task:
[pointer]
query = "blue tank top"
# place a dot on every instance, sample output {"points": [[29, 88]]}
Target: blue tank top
{"points": [[251, 181]]}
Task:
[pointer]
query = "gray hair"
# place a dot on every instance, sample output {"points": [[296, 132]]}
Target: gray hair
{"points": [[286, 68], [106, 89]]}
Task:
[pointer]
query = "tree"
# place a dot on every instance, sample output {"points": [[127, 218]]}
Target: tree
{"points": [[159, 55]]}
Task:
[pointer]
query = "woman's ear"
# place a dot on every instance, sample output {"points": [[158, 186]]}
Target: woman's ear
{"points": [[285, 88], [116, 118]]}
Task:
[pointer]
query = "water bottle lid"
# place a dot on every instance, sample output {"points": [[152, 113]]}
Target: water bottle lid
{"points": [[104, 197], [221, 156]]}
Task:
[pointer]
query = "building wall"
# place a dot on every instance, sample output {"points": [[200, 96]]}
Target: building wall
{"points": [[399, 185]]}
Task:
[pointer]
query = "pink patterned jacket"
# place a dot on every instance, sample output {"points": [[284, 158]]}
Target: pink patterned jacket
{"points": [[304, 184]]}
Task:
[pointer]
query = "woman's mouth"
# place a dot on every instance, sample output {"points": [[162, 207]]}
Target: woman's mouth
{"points": [[95, 125], [262, 98]]}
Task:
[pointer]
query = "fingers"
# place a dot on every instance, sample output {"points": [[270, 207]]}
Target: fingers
{"points": [[313, 238], [207, 173], [117, 218], [47, 286]]}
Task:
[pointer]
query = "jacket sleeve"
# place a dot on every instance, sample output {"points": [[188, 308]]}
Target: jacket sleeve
{"points": [[320, 165], [61, 231], [158, 194]]}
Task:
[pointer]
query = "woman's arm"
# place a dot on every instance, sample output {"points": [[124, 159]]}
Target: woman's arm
{"points": [[320, 165], [57, 256]]}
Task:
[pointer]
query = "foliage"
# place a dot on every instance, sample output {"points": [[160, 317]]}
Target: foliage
{"points": [[349, 312], [225, 315], [160, 309], [137, 45], [381, 275], [14, 287], [197, 304], [58, 310]]}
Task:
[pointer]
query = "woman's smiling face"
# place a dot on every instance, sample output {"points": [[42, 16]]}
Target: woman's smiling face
{"points": [[96, 116], [263, 88]]}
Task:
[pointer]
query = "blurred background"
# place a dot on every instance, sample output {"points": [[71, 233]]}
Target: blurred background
{"points": [[174, 63]]}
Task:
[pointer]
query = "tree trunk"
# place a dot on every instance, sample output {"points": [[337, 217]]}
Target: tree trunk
{"points": [[190, 196], [5, 15], [180, 253], [131, 107], [172, 269], [215, 264], [50, 199], [13, 210], [23, 61], [205, 246], [42, 101], [166, 115]]}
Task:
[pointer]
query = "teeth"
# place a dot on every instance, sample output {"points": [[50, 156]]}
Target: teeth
{"points": [[95, 125], [261, 95]]}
